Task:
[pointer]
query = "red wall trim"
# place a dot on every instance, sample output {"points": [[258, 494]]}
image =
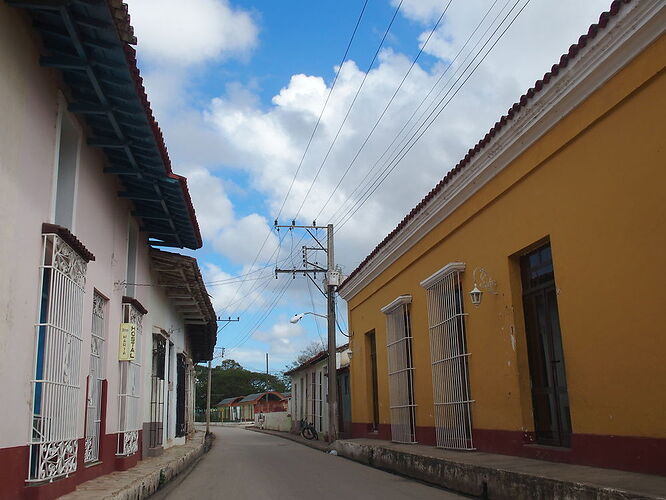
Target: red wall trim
{"points": [[630, 453], [14, 469]]}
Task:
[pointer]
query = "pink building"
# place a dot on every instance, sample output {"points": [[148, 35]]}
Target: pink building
{"points": [[96, 362]]}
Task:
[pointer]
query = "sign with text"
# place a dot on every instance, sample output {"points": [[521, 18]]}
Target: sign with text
{"points": [[127, 347]]}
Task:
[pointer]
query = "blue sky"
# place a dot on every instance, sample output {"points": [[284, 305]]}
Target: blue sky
{"points": [[237, 87]]}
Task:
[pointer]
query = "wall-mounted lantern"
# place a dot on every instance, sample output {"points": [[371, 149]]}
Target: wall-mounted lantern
{"points": [[475, 294], [485, 284]]}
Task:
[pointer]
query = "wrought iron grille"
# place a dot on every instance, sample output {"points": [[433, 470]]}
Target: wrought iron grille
{"points": [[156, 429], [129, 408], [95, 379], [56, 386], [448, 351], [400, 372]]}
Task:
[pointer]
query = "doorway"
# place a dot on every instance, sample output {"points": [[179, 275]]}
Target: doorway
{"points": [[550, 397]]}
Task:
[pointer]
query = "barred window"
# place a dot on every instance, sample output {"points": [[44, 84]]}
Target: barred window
{"points": [[56, 386], [448, 351], [129, 405], [400, 370]]}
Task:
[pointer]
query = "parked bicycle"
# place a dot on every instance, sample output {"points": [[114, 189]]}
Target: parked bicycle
{"points": [[308, 430]]}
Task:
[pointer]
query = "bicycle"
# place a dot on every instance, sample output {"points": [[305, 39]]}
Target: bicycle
{"points": [[308, 430]]}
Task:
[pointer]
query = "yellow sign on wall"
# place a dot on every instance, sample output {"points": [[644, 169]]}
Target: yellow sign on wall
{"points": [[127, 347]]}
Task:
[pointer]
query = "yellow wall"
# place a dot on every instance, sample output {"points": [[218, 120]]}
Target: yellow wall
{"points": [[595, 185]]}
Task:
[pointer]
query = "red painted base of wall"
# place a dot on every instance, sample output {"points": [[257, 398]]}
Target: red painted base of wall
{"points": [[14, 471], [635, 454]]}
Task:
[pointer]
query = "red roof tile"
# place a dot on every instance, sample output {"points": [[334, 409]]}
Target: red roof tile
{"points": [[501, 123]]}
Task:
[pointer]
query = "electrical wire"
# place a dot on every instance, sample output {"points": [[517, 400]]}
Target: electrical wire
{"points": [[435, 113], [349, 109], [314, 131], [359, 185], [388, 104]]}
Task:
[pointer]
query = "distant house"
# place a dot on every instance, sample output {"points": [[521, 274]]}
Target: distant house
{"points": [[229, 409], [309, 390], [244, 408]]}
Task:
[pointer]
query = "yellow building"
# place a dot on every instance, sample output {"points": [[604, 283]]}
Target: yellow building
{"points": [[556, 221]]}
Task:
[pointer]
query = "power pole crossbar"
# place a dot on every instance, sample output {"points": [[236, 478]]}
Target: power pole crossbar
{"points": [[332, 281]]}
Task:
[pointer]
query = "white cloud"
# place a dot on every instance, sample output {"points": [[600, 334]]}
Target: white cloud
{"points": [[213, 207], [185, 33], [423, 11]]}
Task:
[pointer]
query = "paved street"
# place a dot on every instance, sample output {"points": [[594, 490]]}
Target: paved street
{"points": [[253, 466]]}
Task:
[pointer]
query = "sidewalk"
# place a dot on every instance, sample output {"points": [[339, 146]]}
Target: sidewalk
{"points": [[147, 477], [507, 477]]}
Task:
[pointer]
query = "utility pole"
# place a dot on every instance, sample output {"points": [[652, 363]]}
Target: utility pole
{"points": [[332, 281], [210, 374], [210, 371], [266, 367], [331, 284]]}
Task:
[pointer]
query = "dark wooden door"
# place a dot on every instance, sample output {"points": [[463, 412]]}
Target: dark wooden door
{"points": [[372, 344], [550, 398]]}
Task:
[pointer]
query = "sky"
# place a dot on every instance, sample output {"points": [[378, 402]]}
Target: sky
{"points": [[345, 112]]}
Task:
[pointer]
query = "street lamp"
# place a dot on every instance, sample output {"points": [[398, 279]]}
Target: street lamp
{"points": [[331, 365], [297, 317]]}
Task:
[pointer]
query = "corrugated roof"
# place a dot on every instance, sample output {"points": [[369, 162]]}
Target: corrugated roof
{"points": [[505, 120], [88, 42], [180, 275]]}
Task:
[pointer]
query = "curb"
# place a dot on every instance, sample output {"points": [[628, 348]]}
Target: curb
{"points": [[478, 480], [143, 480]]}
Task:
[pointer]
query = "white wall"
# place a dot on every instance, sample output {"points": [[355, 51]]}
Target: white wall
{"points": [[29, 107]]}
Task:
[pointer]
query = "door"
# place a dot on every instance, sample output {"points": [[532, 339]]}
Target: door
{"points": [[550, 398], [372, 351]]}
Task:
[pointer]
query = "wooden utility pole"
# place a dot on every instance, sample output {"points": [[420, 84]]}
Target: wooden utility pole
{"points": [[210, 371], [332, 347], [332, 281]]}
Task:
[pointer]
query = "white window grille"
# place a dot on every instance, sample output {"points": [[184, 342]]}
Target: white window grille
{"points": [[320, 402], [95, 379], [400, 370], [129, 406], [448, 351], [56, 387]]}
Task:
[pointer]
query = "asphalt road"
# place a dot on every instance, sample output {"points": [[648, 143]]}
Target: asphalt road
{"points": [[249, 465]]}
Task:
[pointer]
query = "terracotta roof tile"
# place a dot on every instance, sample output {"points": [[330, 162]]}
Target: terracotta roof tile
{"points": [[615, 7]]}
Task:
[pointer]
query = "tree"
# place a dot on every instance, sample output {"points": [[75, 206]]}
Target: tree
{"points": [[230, 379], [309, 351]]}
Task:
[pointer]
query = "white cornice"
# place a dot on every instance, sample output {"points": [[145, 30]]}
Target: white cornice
{"points": [[451, 267], [403, 299], [629, 32]]}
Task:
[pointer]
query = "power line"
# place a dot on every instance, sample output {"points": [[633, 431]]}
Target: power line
{"points": [[443, 73], [351, 106], [314, 131], [388, 104], [423, 128], [337, 73]]}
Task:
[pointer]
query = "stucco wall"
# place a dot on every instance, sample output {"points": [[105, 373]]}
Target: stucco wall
{"points": [[593, 185], [30, 101]]}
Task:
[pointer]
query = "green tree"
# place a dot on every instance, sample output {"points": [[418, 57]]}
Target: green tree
{"points": [[230, 379]]}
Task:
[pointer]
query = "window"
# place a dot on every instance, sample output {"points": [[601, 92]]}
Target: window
{"points": [[448, 352], [156, 426], [56, 387], [95, 378], [130, 418], [66, 166], [400, 370]]}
